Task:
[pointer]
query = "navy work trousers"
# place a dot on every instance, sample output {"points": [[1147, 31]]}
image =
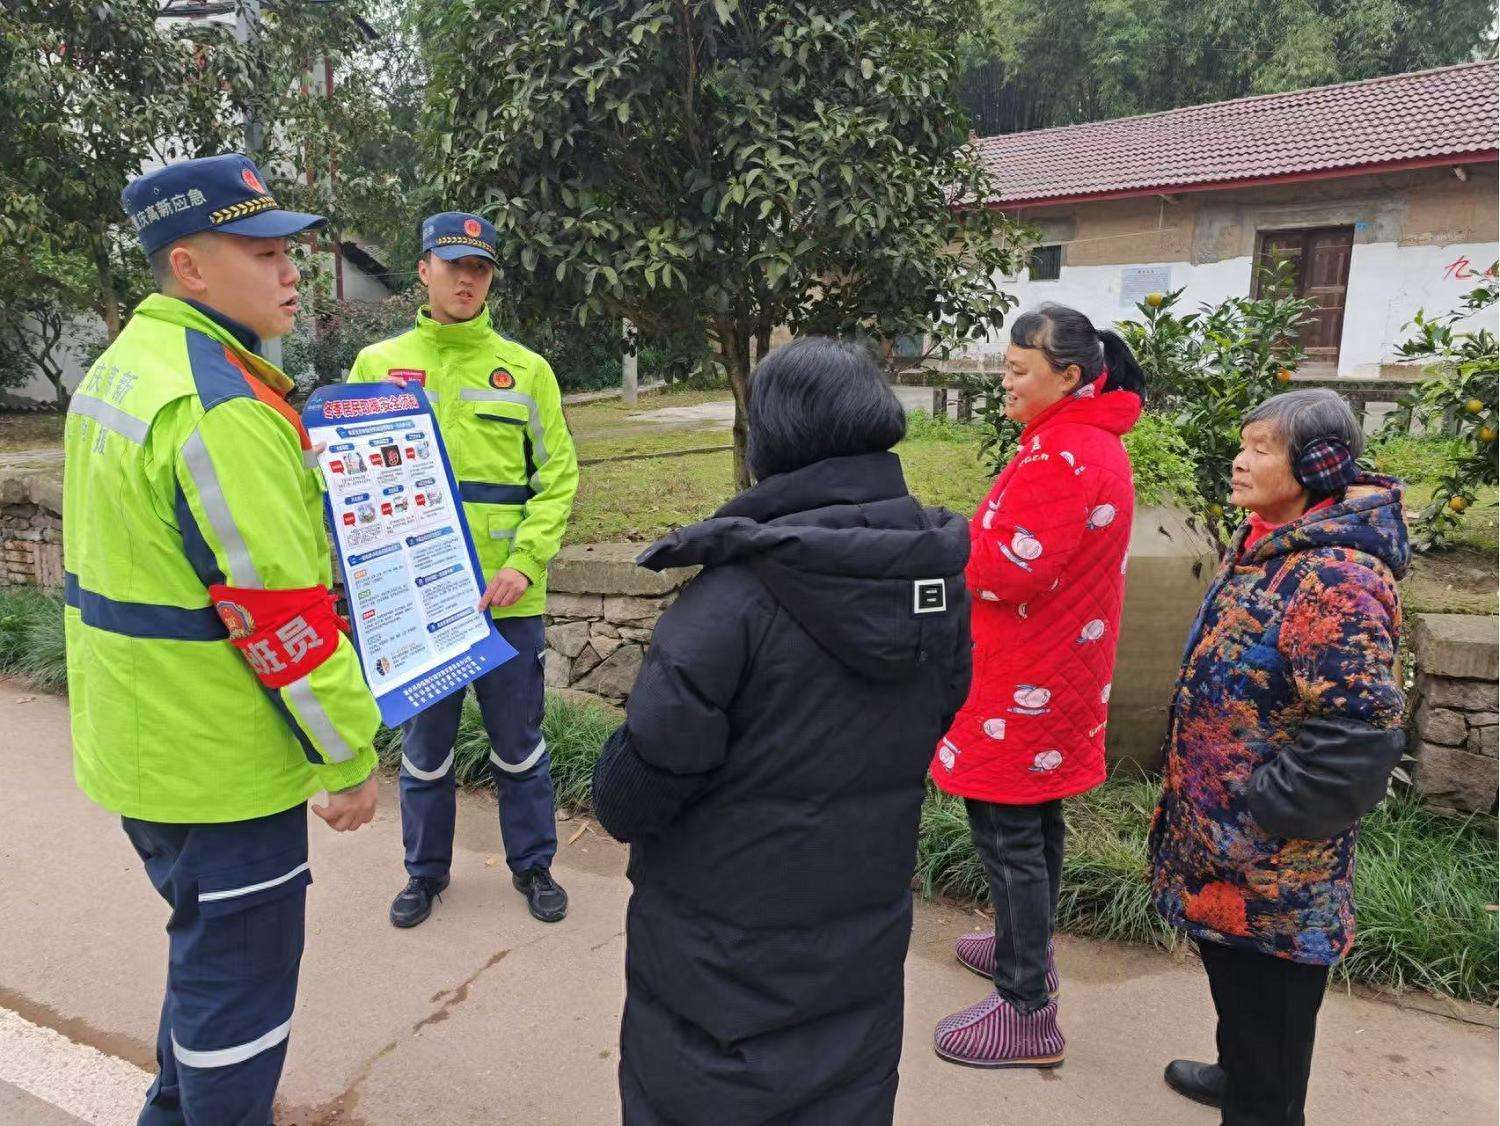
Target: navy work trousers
{"points": [[510, 703], [238, 892]]}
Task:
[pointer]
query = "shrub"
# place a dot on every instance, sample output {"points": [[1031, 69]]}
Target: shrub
{"points": [[1159, 455], [31, 638], [575, 731], [1161, 462], [1206, 370], [1461, 396]]}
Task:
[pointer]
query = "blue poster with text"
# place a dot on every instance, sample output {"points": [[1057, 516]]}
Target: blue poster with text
{"points": [[411, 575]]}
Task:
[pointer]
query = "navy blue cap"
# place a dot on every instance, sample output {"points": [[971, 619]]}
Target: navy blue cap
{"points": [[213, 193], [456, 234]]}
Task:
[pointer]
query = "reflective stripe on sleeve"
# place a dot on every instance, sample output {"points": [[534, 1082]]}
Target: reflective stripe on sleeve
{"points": [[485, 492], [216, 508], [315, 720], [142, 619]]}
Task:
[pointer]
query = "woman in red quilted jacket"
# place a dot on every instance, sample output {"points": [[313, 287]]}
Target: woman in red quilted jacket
{"points": [[1046, 579]]}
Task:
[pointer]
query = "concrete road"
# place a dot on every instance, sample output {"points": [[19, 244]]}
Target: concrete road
{"points": [[720, 413], [482, 1015]]}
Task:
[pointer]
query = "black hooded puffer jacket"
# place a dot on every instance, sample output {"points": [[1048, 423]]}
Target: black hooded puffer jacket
{"points": [[769, 777]]}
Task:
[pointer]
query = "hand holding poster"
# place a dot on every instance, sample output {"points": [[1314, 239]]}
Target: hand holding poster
{"points": [[411, 575]]}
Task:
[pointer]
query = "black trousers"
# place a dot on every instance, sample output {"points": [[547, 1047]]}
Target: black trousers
{"points": [[1021, 848], [1268, 1013]]}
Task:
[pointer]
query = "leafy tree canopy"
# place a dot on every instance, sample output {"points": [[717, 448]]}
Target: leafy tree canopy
{"points": [[725, 166]]}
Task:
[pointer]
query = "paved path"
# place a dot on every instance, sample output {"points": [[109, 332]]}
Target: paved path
{"points": [[720, 413], [482, 1015]]}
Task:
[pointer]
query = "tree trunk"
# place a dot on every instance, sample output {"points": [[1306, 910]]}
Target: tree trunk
{"points": [[109, 305], [734, 352]]}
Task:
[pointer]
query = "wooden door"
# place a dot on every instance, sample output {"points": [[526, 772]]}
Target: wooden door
{"points": [[1321, 274], [1325, 279]]}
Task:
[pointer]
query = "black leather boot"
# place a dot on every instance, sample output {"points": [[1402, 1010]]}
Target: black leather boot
{"points": [[1202, 1082]]}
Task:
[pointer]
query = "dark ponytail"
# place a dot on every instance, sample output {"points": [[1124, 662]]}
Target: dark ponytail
{"points": [[1065, 336], [1125, 373]]}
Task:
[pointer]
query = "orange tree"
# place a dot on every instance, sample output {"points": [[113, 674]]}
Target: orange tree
{"points": [[1205, 370], [1461, 397]]}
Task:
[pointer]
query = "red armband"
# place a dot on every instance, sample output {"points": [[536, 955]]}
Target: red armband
{"points": [[284, 634]]}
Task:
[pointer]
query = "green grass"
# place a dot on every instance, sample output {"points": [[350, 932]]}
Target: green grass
{"points": [[641, 500], [30, 430], [1412, 459], [1423, 894], [575, 731], [31, 638], [1105, 893], [585, 420]]}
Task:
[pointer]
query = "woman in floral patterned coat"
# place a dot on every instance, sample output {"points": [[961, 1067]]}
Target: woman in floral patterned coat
{"points": [[1286, 724]]}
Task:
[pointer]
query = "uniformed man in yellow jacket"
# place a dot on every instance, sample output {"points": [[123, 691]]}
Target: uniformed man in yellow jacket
{"points": [[211, 688], [499, 410]]}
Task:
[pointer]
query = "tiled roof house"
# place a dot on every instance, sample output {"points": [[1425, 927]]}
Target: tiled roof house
{"points": [[1382, 191]]}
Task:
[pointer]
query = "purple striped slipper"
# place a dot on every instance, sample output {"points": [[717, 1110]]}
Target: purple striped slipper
{"points": [[994, 1033], [977, 952]]}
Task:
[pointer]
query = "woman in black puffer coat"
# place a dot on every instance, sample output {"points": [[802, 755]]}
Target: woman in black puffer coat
{"points": [[769, 774]]}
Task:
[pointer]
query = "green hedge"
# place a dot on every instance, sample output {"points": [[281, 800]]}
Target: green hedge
{"points": [[1425, 881]]}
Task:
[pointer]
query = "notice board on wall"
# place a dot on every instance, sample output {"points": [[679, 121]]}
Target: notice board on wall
{"points": [[1137, 281]]}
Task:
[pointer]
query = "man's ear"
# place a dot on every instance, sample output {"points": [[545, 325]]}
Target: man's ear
{"points": [[422, 270], [186, 261]]}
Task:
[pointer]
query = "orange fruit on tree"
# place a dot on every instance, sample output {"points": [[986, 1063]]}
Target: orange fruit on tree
{"points": [[1473, 406], [1458, 504], [1283, 376], [1155, 300], [1486, 433]]}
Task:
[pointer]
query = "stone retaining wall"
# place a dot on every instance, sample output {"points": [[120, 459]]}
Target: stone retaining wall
{"points": [[31, 530], [1455, 715], [601, 609]]}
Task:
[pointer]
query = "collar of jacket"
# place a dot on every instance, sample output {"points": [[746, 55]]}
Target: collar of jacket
{"points": [[247, 339], [837, 480], [472, 333], [1114, 411], [1370, 518], [212, 323]]}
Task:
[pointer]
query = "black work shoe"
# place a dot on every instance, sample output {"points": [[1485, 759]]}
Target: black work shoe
{"points": [[1202, 1082], [548, 901], [415, 901]]}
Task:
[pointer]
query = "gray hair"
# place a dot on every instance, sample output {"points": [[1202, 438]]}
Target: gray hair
{"points": [[1301, 417]]}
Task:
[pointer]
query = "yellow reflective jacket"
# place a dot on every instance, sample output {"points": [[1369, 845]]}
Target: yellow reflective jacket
{"points": [[182, 471], [499, 410]]}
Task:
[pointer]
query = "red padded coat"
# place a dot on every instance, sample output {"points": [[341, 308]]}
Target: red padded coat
{"points": [[1046, 576]]}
